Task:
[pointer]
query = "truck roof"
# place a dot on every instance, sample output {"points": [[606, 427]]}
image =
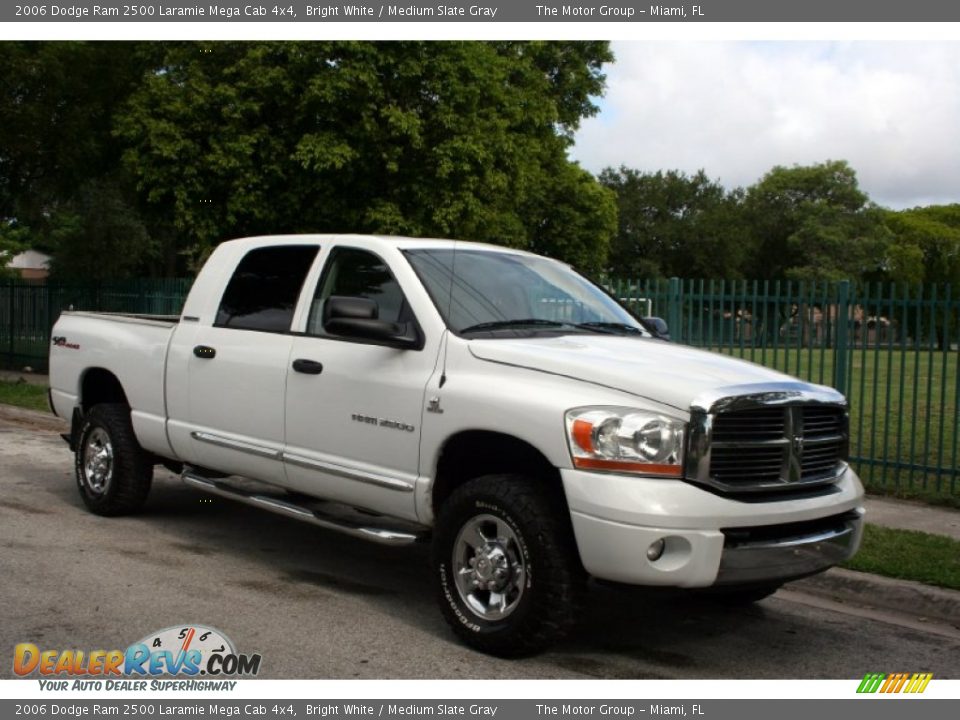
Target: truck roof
{"points": [[395, 241]]}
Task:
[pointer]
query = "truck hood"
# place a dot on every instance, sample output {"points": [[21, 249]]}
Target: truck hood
{"points": [[660, 371]]}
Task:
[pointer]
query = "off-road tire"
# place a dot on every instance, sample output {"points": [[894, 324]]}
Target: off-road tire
{"points": [[132, 471], [554, 579]]}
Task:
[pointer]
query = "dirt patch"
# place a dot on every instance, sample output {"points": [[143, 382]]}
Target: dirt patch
{"points": [[20, 507], [33, 419]]}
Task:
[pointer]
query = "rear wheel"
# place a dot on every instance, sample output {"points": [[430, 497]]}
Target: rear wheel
{"points": [[112, 470], [509, 575]]}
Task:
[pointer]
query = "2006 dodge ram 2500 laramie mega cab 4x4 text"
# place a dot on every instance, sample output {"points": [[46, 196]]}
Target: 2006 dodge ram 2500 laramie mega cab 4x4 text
{"points": [[490, 400]]}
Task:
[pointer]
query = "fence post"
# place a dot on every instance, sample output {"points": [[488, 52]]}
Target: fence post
{"points": [[673, 310], [841, 347]]}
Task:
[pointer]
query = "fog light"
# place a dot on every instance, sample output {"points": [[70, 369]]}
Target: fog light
{"points": [[655, 550]]}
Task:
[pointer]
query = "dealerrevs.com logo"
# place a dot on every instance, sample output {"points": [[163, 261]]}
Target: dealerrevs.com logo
{"points": [[180, 651]]}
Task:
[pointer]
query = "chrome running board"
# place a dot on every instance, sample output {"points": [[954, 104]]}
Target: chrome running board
{"points": [[347, 526]]}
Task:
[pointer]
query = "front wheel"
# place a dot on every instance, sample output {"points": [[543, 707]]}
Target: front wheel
{"points": [[509, 575], [113, 472]]}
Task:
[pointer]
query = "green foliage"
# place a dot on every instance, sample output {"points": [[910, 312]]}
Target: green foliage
{"points": [[13, 241], [57, 103], [177, 146], [671, 224], [573, 218], [814, 223], [927, 244], [423, 138], [98, 234]]}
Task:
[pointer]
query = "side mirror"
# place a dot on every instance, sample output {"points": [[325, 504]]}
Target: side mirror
{"points": [[354, 317], [660, 325]]}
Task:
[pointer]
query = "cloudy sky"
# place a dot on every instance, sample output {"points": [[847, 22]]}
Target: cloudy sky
{"points": [[736, 109]]}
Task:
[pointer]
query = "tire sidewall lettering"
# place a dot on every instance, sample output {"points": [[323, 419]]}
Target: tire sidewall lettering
{"points": [[454, 603]]}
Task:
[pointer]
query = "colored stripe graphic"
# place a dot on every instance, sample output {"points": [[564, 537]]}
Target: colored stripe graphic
{"points": [[894, 683], [870, 682]]}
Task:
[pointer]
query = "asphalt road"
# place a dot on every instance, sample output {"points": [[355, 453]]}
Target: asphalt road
{"points": [[320, 605]]}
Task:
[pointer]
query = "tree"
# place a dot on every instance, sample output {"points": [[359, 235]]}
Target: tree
{"points": [[926, 244], [179, 146], [672, 224], [57, 103], [813, 222], [12, 243], [98, 234], [424, 138]]}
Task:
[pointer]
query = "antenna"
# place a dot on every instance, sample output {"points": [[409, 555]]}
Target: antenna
{"points": [[446, 341]]}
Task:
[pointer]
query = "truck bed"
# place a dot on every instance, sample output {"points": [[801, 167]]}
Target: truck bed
{"points": [[130, 346]]}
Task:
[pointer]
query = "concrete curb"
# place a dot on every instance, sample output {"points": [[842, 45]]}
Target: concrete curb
{"points": [[33, 418], [875, 591]]}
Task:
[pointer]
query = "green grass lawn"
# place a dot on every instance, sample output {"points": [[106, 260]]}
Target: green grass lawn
{"points": [[909, 555], [24, 394]]}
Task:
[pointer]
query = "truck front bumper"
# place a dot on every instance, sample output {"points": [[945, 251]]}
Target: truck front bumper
{"points": [[707, 539]]}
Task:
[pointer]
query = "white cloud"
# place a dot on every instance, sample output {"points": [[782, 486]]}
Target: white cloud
{"points": [[737, 109]]}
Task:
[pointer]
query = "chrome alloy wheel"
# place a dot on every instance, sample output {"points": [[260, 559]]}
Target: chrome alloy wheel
{"points": [[488, 562], [98, 461]]}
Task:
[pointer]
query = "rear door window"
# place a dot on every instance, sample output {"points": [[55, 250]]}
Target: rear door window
{"points": [[263, 292]]}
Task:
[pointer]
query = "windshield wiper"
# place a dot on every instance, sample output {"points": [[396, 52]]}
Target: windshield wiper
{"points": [[611, 327], [507, 324], [607, 328]]}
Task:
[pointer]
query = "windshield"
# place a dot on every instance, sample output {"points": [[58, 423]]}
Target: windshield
{"points": [[499, 291]]}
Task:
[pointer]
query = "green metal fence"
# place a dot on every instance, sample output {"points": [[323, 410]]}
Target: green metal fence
{"points": [[28, 310], [893, 350]]}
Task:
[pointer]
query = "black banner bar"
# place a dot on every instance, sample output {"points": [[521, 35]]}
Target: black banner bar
{"points": [[874, 708], [535, 11]]}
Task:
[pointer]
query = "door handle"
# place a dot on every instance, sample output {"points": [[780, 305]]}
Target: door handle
{"points": [[308, 367], [205, 351]]}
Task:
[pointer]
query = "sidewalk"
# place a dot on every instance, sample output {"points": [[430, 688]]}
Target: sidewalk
{"points": [[907, 515]]}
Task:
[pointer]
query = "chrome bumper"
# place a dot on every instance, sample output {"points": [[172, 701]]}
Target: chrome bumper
{"points": [[760, 555]]}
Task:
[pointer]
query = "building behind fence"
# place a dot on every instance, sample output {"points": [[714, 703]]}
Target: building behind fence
{"points": [[891, 349]]}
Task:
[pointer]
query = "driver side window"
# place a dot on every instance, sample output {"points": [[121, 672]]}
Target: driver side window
{"points": [[361, 274]]}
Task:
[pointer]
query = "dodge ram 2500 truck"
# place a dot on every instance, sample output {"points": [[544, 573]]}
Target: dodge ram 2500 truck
{"points": [[491, 401]]}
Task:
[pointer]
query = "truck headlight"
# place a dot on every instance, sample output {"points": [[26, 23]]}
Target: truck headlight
{"points": [[625, 440]]}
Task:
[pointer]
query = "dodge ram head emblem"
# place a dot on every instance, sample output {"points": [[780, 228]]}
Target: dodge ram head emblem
{"points": [[798, 446]]}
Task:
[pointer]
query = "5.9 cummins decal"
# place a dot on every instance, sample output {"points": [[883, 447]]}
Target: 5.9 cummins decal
{"points": [[61, 341]]}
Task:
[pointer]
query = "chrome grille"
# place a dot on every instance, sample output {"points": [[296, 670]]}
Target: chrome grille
{"points": [[731, 465], [768, 447], [764, 423]]}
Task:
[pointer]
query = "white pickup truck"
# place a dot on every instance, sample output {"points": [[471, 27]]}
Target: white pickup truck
{"points": [[491, 401]]}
